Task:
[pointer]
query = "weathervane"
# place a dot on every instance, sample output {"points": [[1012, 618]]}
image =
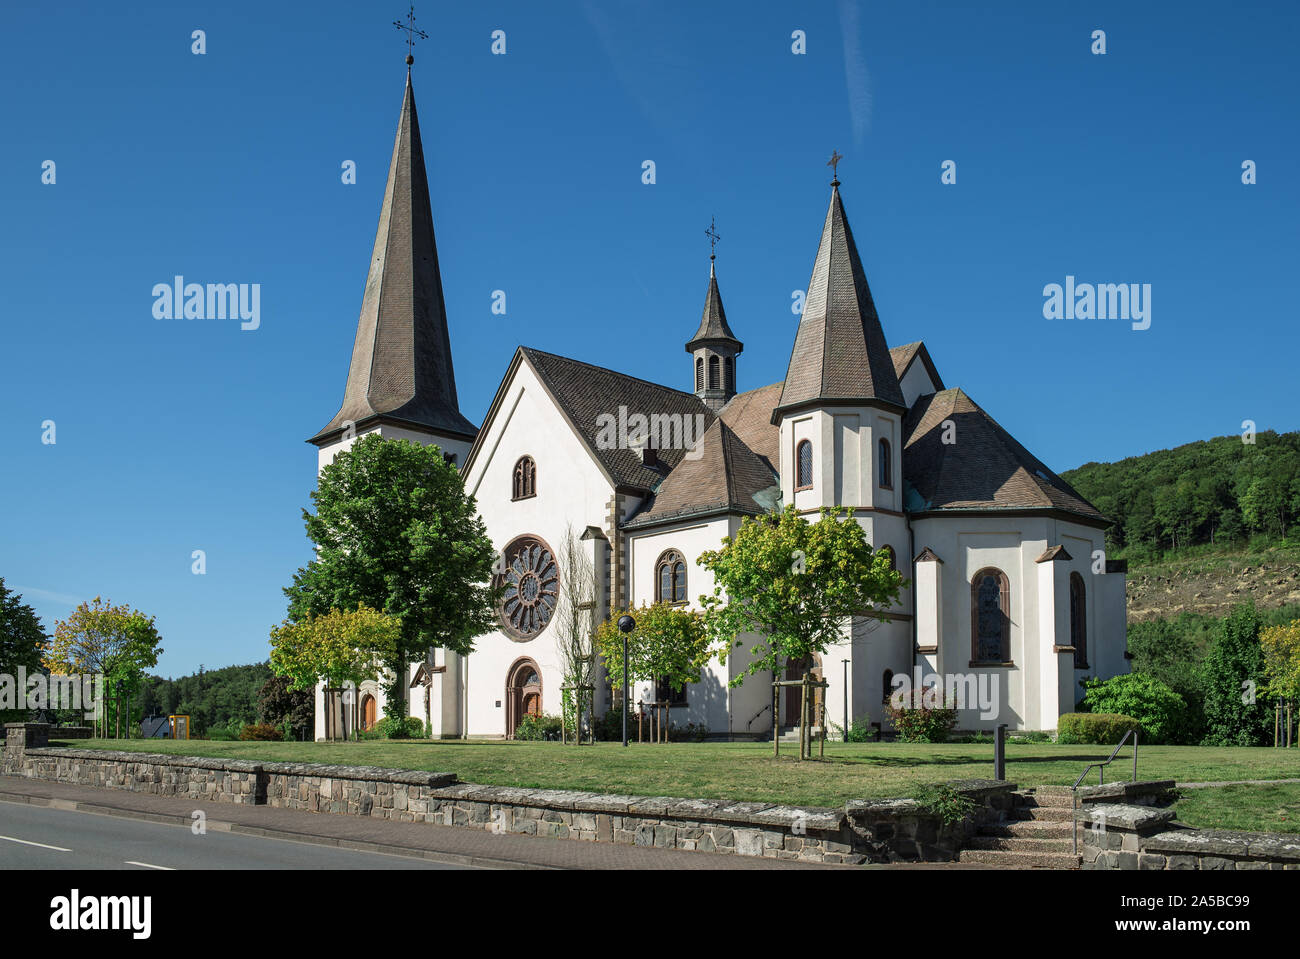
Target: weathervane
{"points": [[411, 33], [712, 234], [834, 163]]}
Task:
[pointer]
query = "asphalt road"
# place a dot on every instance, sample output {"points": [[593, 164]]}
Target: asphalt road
{"points": [[37, 837]]}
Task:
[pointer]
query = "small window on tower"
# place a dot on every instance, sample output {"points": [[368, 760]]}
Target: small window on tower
{"points": [[803, 465], [715, 379], [886, 467], [699, 374], [731, 374]]}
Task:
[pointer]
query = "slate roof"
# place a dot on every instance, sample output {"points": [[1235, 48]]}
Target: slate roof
{"points": [[904, 355], [840, 351], [722, 475], [585, 392], [713, 323], [985, 469], [401, 366], [750, 416]]}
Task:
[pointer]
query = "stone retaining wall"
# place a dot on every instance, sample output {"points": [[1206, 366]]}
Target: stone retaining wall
{"points": [[895, 830], [1126, 836]]}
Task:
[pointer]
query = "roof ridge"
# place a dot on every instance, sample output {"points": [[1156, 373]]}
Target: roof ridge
{"points": [[606, 369]]}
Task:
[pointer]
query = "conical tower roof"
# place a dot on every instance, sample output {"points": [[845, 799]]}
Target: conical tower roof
{"points": [[401, 367], [713, 324], [840, 355]]}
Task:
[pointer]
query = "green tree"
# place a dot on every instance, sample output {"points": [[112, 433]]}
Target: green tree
{"points": [[1235, 683], [278, 704], [117, 642], [395, 530], [669, 644], [795, 584], [22, 642]]}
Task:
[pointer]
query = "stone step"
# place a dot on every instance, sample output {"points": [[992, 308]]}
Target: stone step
{"points": [[1038, 797], [1043, 814], [1028, 828], [1023, 860], [1020, 844]]}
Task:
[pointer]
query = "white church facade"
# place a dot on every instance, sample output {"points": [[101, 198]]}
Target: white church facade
{"points": [[1008, 585]]}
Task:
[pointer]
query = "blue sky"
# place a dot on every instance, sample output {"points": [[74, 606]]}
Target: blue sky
{"points": [[177, 435]]}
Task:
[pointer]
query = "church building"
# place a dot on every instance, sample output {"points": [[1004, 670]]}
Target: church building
{"points": [[1009, 589]]}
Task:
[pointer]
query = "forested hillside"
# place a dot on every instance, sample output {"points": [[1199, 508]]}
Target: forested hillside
{"points": [[211, 698], [1222, 491]]}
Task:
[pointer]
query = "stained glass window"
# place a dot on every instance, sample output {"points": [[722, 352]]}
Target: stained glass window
{"points": [[803, 471]]}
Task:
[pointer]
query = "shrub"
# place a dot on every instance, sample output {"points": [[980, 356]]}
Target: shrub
{"points": [[400, 727], [261, 732], [222, 735], [1098, 729], [923, 723], [945, 802], [1161, 712], [690, 733], [538, 728], [609, 727], [860, 731], [1031, 736]]}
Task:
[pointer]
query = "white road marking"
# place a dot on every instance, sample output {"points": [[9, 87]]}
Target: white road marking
{"points": [[42, 845], [148, 865]]}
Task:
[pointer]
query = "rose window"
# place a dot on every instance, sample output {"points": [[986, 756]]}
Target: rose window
{"points": [[532, 585]]}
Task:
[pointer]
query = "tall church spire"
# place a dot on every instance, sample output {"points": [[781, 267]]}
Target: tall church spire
{"points": [[839, 354], [401, 371], [714, 346]]}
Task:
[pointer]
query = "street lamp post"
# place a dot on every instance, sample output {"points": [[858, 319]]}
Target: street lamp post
{"points": [[625, 625]]}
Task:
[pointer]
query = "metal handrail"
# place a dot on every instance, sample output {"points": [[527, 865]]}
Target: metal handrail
{"points": [[765, 708], [1101, 781]]}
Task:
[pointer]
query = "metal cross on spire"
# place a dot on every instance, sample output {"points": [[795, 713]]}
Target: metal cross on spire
{"points": [[712, 234], [834, 163], [411, 33]]}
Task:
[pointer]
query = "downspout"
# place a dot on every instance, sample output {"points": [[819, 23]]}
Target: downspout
{"points": [[464, 699]]}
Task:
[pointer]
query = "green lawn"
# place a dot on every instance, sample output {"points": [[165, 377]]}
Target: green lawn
{"points": [[746, 771], [1253, 808]]}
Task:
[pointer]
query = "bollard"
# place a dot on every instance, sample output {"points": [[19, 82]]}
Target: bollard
{"points": [[1000, 752]]}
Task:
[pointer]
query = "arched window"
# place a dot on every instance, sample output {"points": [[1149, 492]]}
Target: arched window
{"points": [[670, 578], [1078, 621], [715, 378], [730, 365], [803, 470], [525, 483], [893, 560], [990, 616], [530, 588], [699, 373], [886, 686], [886, 467]]}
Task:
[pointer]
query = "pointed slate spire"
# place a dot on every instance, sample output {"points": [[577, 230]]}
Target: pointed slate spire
{"points": [[401, 369], [840, 354], [713, 324]]}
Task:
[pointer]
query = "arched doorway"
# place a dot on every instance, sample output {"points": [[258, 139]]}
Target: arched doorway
{"points": [[523, 694], [368, 707]]}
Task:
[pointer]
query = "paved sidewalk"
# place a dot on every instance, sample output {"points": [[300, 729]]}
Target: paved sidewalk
{"points": [[456, 844]]}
